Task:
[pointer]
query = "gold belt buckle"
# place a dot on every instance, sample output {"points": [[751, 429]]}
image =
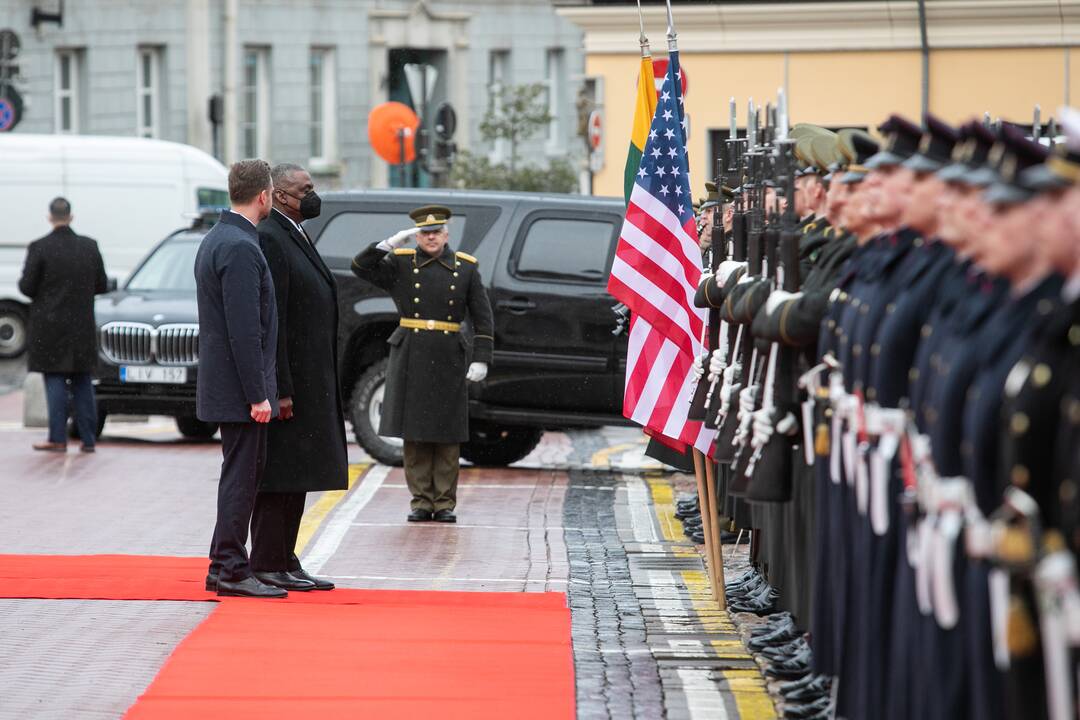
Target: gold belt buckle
{"points": [[430, 324]]}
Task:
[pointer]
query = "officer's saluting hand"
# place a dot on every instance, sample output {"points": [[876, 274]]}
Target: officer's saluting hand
{"points": [[431, 360]]}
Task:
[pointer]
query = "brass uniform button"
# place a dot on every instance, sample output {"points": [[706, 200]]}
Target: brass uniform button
{"points": [[857, 350], [416, 271], [875, 349], [416, 300], [451, 302], [1019, 423], [416, 315], [416, 330], [913, 374], [457, 263], [1041, 375], [1073, 410], [453, 288], [417, 285], [449, 317], [445, 332], [455, 274], [1074, 335], [1020, 476]]}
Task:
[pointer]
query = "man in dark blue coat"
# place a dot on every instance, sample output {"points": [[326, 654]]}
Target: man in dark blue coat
{"points": [[237, 386]]}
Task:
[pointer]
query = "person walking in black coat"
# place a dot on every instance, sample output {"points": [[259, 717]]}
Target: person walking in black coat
{"points": [[63, 273], [237, 386], [306, 447], [427, 403]]}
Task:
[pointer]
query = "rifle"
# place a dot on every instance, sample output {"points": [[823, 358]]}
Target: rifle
{"points": [[770, 466]]}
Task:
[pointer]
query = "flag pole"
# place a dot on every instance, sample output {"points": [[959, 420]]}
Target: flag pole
{"points": [[642, 39], [703, 466]]}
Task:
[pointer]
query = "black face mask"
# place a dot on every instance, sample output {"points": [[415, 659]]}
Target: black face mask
{"points": [[310, 204]]}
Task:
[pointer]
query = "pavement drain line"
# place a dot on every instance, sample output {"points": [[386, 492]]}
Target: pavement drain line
{"points": [[338, 523]]}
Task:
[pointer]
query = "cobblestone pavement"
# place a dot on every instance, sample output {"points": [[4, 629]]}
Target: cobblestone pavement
{"points": [[584, 514]]}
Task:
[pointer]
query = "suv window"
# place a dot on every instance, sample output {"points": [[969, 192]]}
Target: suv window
{"points": [[348, 233], [210, 198], [565, 249]]}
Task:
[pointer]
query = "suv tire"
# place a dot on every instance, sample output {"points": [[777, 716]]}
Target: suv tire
{"points": [[196, 429], [13, 324], [366, 409], [491, 445]]}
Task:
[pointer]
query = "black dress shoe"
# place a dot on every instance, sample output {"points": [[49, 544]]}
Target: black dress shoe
{"points": [[784, 651], [320, 583], [781, 636], [791, 668], [249, 587], [420, 516], [786, 687], [697, 537], [808, 710], [284, 580], [211, 582], [810, 693], [445, 516]]}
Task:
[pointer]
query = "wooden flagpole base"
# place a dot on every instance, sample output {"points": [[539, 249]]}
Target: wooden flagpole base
{"points": [[706, 499], [714, 521]]}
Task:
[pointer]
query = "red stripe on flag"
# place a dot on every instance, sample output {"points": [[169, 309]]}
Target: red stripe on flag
{"points": [[663, 236]]}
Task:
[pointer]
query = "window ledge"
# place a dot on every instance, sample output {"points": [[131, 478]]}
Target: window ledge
{"points": [[324, 168]]}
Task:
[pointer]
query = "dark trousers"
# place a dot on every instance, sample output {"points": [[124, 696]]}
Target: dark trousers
{"points": [[56, 398], [275, 523], [431, 472], [243, 450]]}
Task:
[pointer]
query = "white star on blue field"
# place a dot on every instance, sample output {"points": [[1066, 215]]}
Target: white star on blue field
{"points": [[664, 171]]}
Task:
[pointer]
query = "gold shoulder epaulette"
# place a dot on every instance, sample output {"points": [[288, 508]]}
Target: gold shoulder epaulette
{"points": [[465, 256], [404, 251]]}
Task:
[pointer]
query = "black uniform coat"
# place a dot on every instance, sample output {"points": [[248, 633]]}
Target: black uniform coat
{"points": [[237, 323], [307, 452], [62, 274], [426, 395]]}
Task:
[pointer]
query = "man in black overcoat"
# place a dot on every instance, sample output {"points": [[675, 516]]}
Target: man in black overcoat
{"points": [[237, 386], [63, 273], [306, 449], [427, 404]]}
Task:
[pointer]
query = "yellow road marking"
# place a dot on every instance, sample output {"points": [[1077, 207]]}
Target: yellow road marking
{"points": [[602, 458], [315, 514]]}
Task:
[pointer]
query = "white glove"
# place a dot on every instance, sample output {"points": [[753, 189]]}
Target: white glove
{"points": [[763, 427], [778, 298], [477, 372], [397, 239], [730, 373], [717, 364], [699, 366], [747, 401]]}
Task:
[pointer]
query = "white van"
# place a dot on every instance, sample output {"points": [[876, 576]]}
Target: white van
{"points": [[126, 193]]}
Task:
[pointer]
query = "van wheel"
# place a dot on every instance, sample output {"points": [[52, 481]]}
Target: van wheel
{"points": [[196, 429], [13, 322], [490, 445], [366, 411]]}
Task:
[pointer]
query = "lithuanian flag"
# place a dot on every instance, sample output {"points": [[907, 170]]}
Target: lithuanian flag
{"points": [[644, 109]]}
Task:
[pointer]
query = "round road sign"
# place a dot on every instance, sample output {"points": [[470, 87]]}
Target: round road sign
{"points": [[8, 116], [660, 66], [596, 129]]}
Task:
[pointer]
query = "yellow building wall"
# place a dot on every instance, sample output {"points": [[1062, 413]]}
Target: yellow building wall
{"points": [[837, 88], [1006, 82]]}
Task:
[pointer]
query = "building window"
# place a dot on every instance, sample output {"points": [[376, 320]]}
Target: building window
{"points": [[148, 93], [255, 104], [498, 81], [323, 137], [68, 90], [554, 83]]}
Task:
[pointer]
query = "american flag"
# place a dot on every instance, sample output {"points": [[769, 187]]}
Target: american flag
{"points": [[656, 271]]}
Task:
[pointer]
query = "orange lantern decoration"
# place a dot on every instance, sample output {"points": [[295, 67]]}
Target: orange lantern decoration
{"points": [[390, 124]]}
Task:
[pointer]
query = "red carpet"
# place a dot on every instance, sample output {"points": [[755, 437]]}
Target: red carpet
{"points": [[403, 654]]}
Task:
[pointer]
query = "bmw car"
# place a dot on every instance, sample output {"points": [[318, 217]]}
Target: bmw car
{"points": [[148, 338]]}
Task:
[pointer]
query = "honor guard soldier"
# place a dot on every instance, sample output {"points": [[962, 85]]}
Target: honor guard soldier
{"points": [[431, 359]]}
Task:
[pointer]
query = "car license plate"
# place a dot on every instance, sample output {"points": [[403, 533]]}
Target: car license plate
{"points": [[144, 374]]}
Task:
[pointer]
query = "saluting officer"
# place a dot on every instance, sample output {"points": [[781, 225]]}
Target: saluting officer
{"points": [[426, 402]]}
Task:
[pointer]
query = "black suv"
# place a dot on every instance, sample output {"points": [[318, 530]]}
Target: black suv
{"points": [[545, 260]]}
